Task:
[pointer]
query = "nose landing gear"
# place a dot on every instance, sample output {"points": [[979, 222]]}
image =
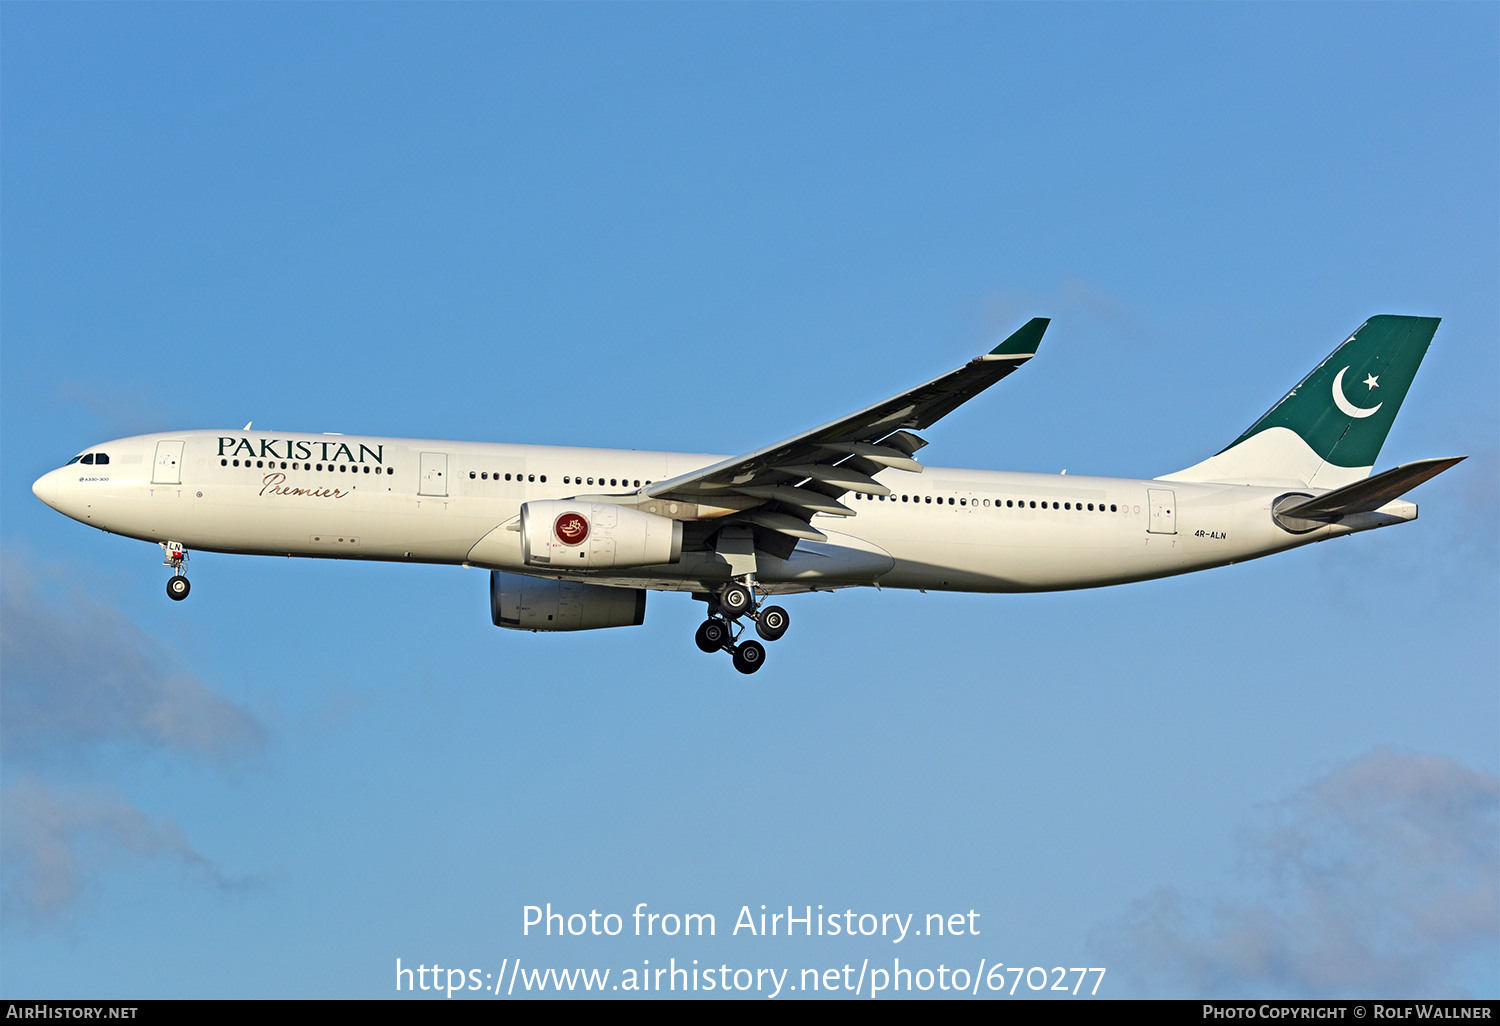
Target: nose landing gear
{"points": [[722, 629], [177, 585]]}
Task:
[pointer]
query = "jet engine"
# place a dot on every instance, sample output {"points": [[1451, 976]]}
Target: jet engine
{"points": [[527, 604], [561, 535]]}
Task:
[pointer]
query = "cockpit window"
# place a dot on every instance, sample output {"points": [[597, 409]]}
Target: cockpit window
{"points": [[87, 460], [72, 461], [101, 459]]}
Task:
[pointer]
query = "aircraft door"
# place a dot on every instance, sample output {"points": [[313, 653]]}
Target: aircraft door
{"points": [[434, 467], [168, 468], [1163, 511]]}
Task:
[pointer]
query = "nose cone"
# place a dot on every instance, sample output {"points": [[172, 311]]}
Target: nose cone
{"points": [[45, 488]]}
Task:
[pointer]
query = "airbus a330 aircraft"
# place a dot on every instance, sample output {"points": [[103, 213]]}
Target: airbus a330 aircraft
{"points": [[575, 538]]}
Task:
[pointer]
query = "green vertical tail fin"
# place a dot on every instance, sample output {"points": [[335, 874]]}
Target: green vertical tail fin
{"points": [[1328, 430]]}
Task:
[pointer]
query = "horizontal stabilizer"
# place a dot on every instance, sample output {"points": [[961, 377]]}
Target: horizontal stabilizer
{"points": [[1370, 494]]}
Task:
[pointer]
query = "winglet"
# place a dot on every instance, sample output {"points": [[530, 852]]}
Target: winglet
{"points": [[1026, 339]]}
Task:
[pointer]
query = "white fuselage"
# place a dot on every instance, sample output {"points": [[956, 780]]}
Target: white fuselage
{"points": [[349, 497]]}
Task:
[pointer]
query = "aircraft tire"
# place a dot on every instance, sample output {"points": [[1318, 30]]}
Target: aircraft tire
{"points": [[178, 588], [749, 656], [772, 623], [712, 634], [736, 600]]}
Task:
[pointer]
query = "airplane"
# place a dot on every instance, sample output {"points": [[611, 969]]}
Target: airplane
{"points": [[575, 538]]}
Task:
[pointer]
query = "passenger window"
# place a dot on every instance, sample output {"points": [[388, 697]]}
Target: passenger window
{"points": [[544, 479], [963, 502], [472, 475], [591, 480], [531, 477], [950, 500]]}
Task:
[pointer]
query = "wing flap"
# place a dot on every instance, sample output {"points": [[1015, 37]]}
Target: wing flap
{"points": [[843, 476], [784, 524], [803, 497], [880, 455]]}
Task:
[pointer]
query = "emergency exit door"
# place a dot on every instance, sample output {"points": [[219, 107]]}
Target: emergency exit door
{"points": [[434, 467], [1163, 511], [168, 467]]}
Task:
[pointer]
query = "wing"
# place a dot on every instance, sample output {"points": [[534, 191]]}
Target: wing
{"points": [[780, 488]]}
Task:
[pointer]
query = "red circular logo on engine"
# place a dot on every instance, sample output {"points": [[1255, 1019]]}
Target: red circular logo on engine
{"points": [[571, 528]]}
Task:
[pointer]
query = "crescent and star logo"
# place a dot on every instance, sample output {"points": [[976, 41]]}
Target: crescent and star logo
{"points": [[571, 528], [1345, 406]]}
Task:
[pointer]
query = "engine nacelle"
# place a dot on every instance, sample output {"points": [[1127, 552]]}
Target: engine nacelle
{"points": [[527, 604], [563, 535]]}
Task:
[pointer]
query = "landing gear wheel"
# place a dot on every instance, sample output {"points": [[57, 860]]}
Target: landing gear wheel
{"points": [[178, 588], [712, 635], [736, 600], [772, 623], [749, 656]]}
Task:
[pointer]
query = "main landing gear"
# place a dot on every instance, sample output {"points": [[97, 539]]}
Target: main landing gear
{"points": [[177, 585], [721, 631]]}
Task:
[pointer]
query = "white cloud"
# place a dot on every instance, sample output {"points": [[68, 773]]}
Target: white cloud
{"points": [[1382, 878], [58, 843], [80, 674]]}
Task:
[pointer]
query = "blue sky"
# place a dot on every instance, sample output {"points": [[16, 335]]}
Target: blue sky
{"points": [[703, 228]]}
